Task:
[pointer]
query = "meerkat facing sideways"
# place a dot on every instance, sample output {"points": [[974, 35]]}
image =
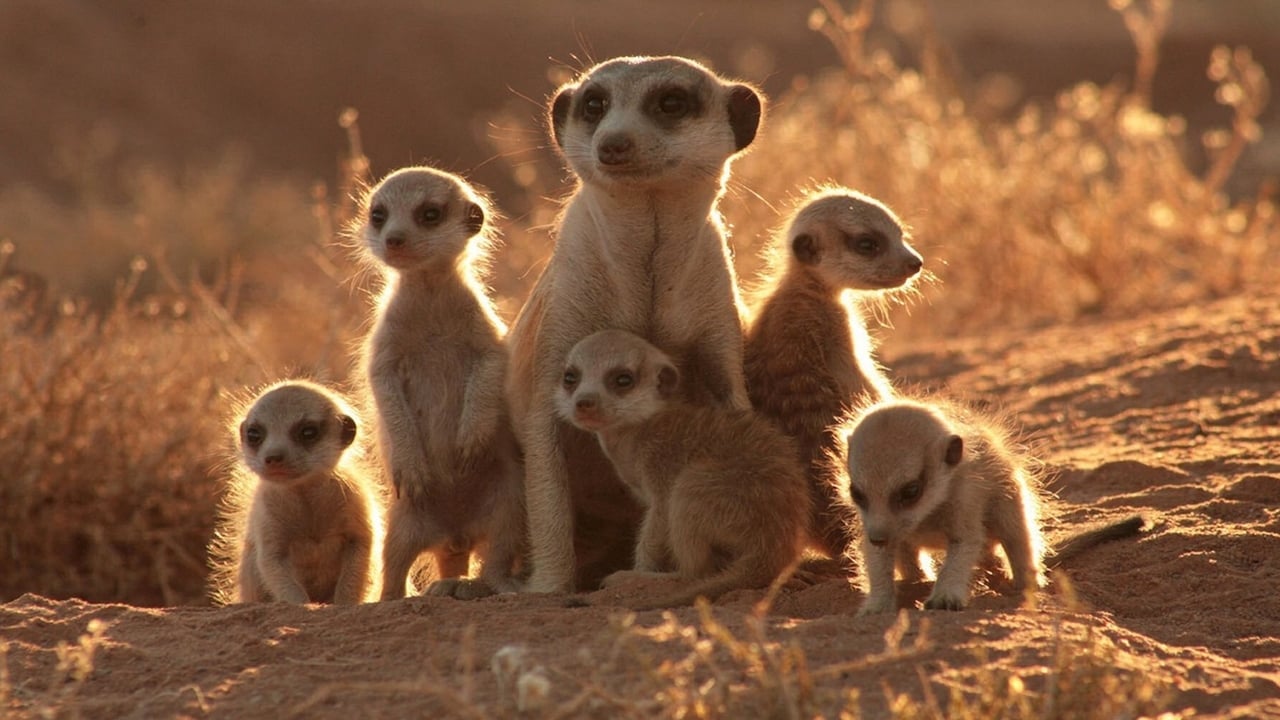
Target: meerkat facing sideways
{"points": [[925, 477], [435, 362], [808, 354], [725, 496], [641, 247], [301, 521]]}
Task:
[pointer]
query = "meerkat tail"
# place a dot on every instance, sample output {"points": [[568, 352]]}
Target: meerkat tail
{"points": [[1087, 539], [740, 574]]}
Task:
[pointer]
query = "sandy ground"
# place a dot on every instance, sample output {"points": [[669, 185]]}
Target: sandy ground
{"points": [[1174, 415]]}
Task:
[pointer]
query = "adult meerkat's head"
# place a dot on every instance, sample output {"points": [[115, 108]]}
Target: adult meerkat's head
{"points": [[649, 120], [614, 378], [420, 216], [853, 241], [294, 431], [902, 458]]}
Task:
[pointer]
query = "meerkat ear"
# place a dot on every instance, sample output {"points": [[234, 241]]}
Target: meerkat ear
{"points": [[475, 217], [744, 114], [668, 380], [805, 248], [955, 450], [348, 430], [560, 113]]}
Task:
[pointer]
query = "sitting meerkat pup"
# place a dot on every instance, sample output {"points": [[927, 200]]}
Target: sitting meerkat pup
{"points": [[726, 502], [808, 354], [640, 246], [301, 521], [934, 478], [435, 364]]}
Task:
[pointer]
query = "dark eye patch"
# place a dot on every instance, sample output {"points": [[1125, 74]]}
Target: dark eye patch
{"points": [[307, 432], [428, 214], [859, 497], [571, 378], [909, 494], [670, 104], [593, 105], [254, 435], [621, 380], [867, 244]]}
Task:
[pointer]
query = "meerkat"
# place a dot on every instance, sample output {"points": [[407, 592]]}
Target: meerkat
{"points": [[808, 354], [725, 496], [639, 246], [435, 365], [925, 476], [302, 519]]}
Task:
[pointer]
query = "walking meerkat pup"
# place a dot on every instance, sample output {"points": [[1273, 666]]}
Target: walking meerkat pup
{"points": [[301, 521], [725, 497], [640, 246], [808, 354], [435, 364], [930, 477]]}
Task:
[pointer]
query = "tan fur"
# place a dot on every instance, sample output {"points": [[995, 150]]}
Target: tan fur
{"points": [[726, 504], [934, 478], [640, 246], [808, 354], [435, 362], [301, 521]]}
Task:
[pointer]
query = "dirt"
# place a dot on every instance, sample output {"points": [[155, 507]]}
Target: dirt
{"points": [[1175, 416]]}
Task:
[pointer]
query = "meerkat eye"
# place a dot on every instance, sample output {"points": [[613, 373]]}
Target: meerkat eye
{"points": [[859, 497], [254, 435], [910, 493], [594, 106], [378, 216], [570, 379], [308, 432], [624, 380], [863, 243], [428, 214], [674, 103]]}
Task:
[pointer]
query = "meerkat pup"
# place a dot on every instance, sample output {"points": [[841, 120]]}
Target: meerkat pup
{"points": [[301, 521], [726, 502], [808, 354], [930, 477], [640, 246], [435, 364]]}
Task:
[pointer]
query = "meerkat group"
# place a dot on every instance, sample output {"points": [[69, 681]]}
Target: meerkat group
{"points": [[639, 421]]}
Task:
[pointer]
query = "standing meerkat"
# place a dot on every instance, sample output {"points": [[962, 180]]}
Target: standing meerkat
{"points": [[641, 247], [725, 497], [435, 364], [808, 354], [934, 478], [301, 521]]}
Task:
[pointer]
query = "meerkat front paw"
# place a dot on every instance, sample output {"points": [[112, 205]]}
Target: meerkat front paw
{"points": [[411, 479], [942, 599]]}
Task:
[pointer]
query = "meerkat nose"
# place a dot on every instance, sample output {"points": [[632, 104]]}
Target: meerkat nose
{"points": [[273, 459], [586, 402], [914, 264], [396, 241], [615, 149], [877, 539]]}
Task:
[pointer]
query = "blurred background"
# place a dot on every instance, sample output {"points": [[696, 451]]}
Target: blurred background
{"points": [[175, 179]]}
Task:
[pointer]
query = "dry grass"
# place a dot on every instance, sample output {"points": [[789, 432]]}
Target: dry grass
{"points": [[114, 407]]}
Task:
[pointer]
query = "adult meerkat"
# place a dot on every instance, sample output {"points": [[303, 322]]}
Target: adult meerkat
{"points": [[808, 354], [928, 477], [640, 246], [726, 502], [435, 364], [301, 521]]}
